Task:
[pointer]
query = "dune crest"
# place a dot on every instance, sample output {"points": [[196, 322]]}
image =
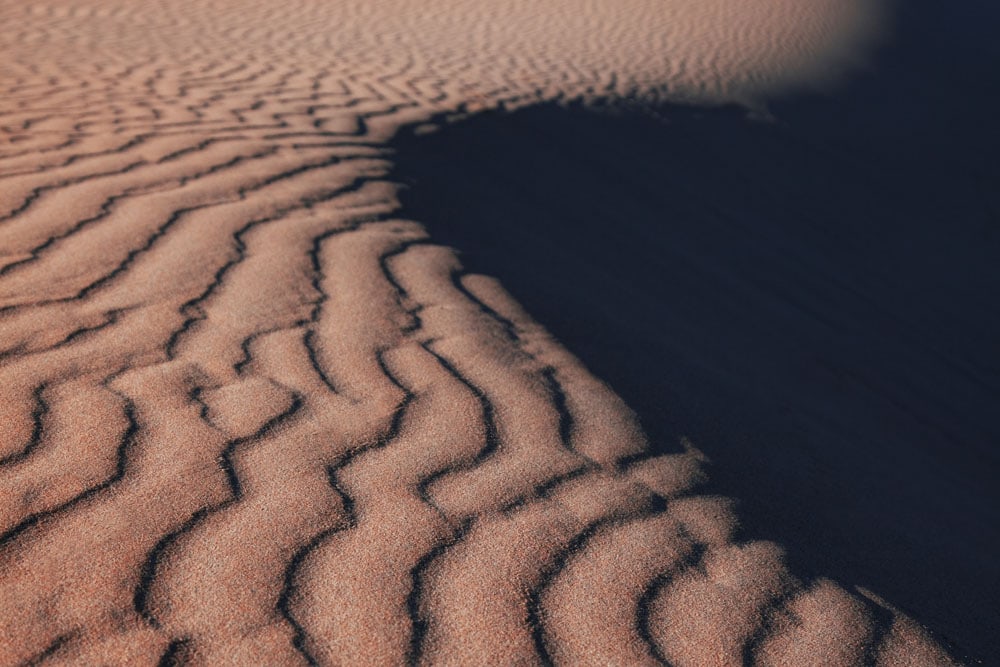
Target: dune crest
{"points": [[254, 416]]}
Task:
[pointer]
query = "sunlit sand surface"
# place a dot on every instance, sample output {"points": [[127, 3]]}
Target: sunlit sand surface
{"points": [[254, 415]]}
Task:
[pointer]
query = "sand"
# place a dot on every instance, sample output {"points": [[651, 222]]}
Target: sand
{"points": [[253, 414]]}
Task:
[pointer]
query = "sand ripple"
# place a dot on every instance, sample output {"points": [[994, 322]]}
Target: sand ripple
{"points": [[253, 416]]}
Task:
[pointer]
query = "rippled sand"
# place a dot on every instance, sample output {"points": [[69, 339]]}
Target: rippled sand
{"points": [[251, 415]]}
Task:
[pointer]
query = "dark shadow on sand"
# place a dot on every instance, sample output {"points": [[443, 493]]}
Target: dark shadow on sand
{"points": [[813, 300]]}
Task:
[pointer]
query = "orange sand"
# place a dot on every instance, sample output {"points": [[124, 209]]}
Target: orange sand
{"points": [[250, 416]]}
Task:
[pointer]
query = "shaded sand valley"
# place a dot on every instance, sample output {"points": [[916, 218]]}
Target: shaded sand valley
{"points": [[699, 265], [254, 409]]}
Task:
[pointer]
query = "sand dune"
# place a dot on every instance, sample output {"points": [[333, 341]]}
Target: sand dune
{"points": [[254, 415]]}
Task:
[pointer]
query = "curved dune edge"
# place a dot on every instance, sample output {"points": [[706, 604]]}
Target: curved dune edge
{"points": [[252, 416]]}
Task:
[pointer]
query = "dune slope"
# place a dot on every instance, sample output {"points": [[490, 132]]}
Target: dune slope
{"points": [[254, 415]]}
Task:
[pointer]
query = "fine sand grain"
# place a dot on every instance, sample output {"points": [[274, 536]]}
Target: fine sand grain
{"points": [[251, 415]]}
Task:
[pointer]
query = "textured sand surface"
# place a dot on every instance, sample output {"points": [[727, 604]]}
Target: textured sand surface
{"points": [[253, 416]]}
